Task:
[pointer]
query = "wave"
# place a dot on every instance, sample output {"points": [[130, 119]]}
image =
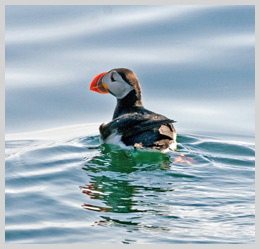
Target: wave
{"points": [[62, 183]]}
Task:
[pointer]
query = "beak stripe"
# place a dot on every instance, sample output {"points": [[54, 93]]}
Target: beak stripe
{"points": [[105, 86], [97, 85]]}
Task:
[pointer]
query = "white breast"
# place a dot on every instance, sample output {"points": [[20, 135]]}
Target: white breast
{"points": [[115, 139]]}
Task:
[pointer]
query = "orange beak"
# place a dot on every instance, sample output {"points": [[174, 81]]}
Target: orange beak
{"points": [[97, 84]]}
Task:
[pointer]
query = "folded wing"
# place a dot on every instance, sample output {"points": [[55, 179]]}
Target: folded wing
{"points": [[144, 129]]}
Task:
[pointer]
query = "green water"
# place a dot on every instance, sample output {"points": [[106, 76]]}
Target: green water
{"points": [[77, 190]]}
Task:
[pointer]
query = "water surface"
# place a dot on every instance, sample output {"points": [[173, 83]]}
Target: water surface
{"points": [[63, 186], [195, 63]]}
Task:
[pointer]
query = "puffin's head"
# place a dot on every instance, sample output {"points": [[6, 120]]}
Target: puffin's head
{"points": [[119, 82]]}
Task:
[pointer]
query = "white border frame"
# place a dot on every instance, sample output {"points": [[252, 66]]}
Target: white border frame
{"points": [[3, 3]]}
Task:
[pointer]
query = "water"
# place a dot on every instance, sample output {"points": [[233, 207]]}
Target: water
{"points": [[63, 186], [196, 65]]}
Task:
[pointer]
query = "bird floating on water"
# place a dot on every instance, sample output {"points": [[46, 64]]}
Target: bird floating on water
{"points": [[132, 124]]}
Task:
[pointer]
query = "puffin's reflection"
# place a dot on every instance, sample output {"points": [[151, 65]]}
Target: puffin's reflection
{"points": [[112, 178]]}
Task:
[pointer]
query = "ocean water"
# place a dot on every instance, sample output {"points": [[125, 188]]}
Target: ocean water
{"points": [[195, 64], [63, 186]]}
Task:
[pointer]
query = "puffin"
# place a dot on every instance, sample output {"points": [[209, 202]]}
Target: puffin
{"points": [[132, 125]]}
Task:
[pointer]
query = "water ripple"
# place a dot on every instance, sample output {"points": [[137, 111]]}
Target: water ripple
{"points": [[57, 189]]}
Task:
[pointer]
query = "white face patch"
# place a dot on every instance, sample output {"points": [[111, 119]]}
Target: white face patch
{"points": [[116, 85]]}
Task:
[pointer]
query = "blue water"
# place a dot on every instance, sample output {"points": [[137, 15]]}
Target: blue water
{"points": [[63, 186], [195, 64]]}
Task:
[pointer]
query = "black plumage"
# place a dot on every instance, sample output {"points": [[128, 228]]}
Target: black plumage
{"points": [[138, 126]]}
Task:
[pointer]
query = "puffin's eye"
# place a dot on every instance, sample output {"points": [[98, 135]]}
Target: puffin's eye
{"points": [[112, 77]]}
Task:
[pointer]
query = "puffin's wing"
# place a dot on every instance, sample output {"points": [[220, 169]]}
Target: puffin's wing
{"points": [[131, 124]]}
